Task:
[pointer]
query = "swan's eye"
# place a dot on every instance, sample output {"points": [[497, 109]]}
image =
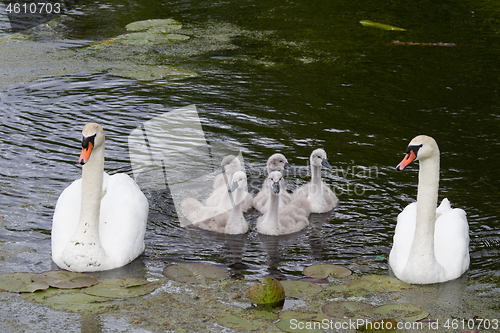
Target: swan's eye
{"points": [[86, 140], [414, 148]]}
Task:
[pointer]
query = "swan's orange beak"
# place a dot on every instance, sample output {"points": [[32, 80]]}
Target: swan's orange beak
{"points": [[409, 157], [85, 155]]}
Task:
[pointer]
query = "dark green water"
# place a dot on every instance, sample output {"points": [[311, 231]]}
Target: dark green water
{"points": [[297, 76]]}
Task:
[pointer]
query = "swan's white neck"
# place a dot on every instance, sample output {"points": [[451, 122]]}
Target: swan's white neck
{"points": [[422, 249], [92, 179]]}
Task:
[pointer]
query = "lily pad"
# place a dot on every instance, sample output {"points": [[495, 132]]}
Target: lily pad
{"points": [[349, 291], [165, 29], [195, 273], [69, 300], [263, 314], [267, 290], [388, 282], [300, 288], [121, 288], [149, 73], [239, 324], [324, 270], [404, 311], [295, 321], [143, 38], [148, 24], [20, 283], [347, 309], [313, 280], [382, 26], [66, 280]]}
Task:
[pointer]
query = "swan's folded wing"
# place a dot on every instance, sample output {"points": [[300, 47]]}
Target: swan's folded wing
{"points": [[451, 242], [123, 218], [403, 237], [66, 217]]}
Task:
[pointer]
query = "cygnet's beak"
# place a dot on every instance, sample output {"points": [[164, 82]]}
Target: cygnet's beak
{"points": [[287, 166], [233, 187], [325, 163], [87, 146], [219, 170], [276, 187]]}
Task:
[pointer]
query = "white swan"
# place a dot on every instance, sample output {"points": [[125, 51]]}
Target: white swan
{"points": [[430, 245], [286, 219], [99, 220], [220, 196], [319, 194], [218, 219], [277, 162]]}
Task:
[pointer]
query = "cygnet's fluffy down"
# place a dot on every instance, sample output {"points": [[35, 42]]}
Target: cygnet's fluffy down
{"points": [[220, 197], [218, 219], [285, 219], [276, 162], [320, 196]]}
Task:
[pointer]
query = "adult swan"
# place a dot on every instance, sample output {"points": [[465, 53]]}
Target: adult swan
{"points": [[99, 220], [430, 245]]}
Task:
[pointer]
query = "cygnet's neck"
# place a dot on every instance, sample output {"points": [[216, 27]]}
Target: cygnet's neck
{"points": [[316, 181], [92, 179], [272, 214], [236, 223]]}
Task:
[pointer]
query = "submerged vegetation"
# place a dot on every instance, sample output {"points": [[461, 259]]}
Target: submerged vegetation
{"points": [[265, 305]]}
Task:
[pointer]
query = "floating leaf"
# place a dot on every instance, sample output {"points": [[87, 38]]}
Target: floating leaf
{"points": [[404, 311], [382, 26], [302, 322], [386, 325], [324, 270], [20, 283], [149, 73], [69, 300], [300, 288], [338, 289], [313, 280], [239, 324], [143, 38], [195, 273], [267, 290], [164, 29], [41, 295], [148, 24], [263, 314], [350, 291], [66, 280], [388, 281], [121, 288], [347, 309]]}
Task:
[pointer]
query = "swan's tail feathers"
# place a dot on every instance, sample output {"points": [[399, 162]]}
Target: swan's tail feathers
{"points": [[443, 208], [445, 205]]}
